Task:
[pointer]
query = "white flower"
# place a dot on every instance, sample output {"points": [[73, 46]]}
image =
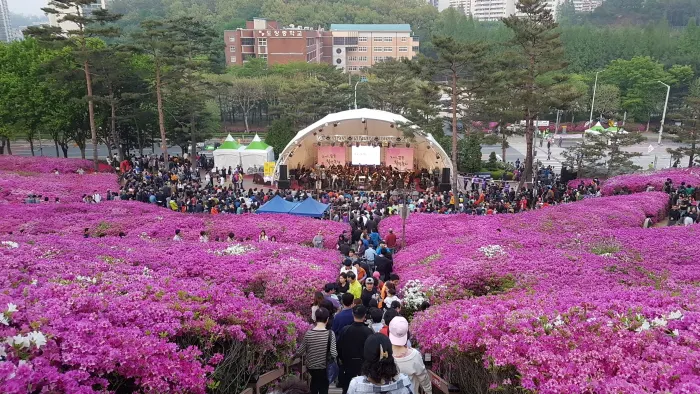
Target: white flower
{"points": [[10, 244], [11, 308], [19, 340], [3, 354], [34, 282], [645, 326], [675, 315], [491, 251], [558, 321], [675, 332], [87, 279], [659, 322], [38, 338], [234, 250], [4, 320]]}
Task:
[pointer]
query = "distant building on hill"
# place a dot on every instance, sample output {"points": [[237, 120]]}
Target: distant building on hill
{"points": [[350, 47], [494, 10], [587, 5], [6, 34], [66, 26]]}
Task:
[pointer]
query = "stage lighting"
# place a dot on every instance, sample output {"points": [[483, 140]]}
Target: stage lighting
{"points": [[314, 133], [328, 137], [318, 143], [320, 130], [376, 139], [398, 139], [391, 125], [437, 157], [335, 124], [364, 121], [428, 146], [332, 143], [408, 145], [349, 138], [357, 144], [326, 124]]}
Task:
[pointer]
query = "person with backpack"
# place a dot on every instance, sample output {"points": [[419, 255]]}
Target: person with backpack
{"points": [[318, 347], [379, 371]]}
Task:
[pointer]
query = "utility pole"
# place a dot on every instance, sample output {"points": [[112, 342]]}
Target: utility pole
{"points": [[595, 86], [663, 117]]}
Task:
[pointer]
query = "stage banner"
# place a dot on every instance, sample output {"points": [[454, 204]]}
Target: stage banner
{"points": [[331, 155], [400, 158], [269, 168]]}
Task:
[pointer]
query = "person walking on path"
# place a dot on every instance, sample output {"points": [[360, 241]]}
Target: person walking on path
{"points": [[318, 347], [409, 360], [351, 344], [379, 371]]}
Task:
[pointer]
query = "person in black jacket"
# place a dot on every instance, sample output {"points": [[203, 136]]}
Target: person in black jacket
{"points": [[384, 264], [350, 346]]}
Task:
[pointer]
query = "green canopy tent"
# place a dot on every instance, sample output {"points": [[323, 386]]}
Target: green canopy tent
{"points": [[227, 154], [254, 156]]}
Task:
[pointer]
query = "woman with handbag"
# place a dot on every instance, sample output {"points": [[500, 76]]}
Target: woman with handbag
{"points": [[319, 350]]}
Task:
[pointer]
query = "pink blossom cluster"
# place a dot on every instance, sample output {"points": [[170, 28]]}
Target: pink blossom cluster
{"points": [[574, 183], [45, 165], [576, 298], [119, 310], [67, 187], [636, 183], [109, 218]]}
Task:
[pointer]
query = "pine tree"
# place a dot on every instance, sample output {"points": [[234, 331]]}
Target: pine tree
{"points": [[535, 69], [86, 25]]}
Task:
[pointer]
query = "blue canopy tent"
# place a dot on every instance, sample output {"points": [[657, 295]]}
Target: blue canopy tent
{"points": [[309, 207], [277, 205]]}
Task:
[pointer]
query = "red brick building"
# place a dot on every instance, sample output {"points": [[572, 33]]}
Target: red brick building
{"points": [[277, 44]]}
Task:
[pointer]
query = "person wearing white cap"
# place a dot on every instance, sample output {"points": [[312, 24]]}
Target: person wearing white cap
{"points": [[409, 360]]}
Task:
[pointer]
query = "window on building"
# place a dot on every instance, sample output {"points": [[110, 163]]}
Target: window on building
{"points": [[248, 56], [415, 49], [352, 58], [388, 39], [388, 49], [361, 39], [262, 42], [404, 39], [361, 49], [350, 40], [232, 49], [231, 38], [378, 39], [310, 42], [403, 49], [362, 58], [352, 68], [248, 41], [263, 56], [233, 59], [338, 40]]}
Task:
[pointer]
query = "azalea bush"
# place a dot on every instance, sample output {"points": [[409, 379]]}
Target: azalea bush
{"points": [[113, 321], [16, 187], [636, 183], [109, 218], [45, 165]]}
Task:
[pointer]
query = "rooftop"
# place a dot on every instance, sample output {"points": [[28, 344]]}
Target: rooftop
{"points": [[370, 27]]}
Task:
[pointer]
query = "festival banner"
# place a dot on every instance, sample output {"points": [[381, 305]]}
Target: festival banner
{"points": [[269, 168], [331, 155], [400, 158]]}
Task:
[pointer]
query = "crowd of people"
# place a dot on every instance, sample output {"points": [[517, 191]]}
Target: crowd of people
{"points": [[352, 177], [360, 337]]}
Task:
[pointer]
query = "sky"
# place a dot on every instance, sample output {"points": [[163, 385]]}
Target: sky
{"points": [[27, 7]]}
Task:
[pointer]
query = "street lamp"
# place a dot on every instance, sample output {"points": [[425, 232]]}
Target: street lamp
{"points": [[595, 86], [663, 117], [362, 79]]}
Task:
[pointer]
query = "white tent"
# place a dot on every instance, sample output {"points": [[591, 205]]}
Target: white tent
{"points": [[227, 154], [254, 156]]}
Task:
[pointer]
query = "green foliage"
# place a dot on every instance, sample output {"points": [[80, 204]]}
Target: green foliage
{"points": [[688, 133], [279, 134]]}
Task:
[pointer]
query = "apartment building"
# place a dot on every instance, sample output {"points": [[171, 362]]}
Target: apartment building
{"points": [[5, 26], [587, 5], [434, 3], [494, 10], [358, 46], [86, 10], [277, 44]]}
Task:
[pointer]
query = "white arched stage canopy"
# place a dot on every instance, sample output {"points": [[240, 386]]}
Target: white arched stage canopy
{"points": [[364, 127]]}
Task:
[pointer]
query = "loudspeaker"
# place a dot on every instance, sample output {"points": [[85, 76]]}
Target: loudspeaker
{"points": [[283, 184], [283, 173], [445, 187], [445, 176]]}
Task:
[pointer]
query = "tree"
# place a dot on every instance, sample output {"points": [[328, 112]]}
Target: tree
{"points": [[279, 134], [688, 133], [536, 68], [245, 93], [607, 101], [156, 40], [464, 66], [88, 26]]}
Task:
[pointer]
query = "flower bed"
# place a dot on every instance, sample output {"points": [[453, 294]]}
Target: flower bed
{"points": [[636, 183], [15, 187], [109, 218], [45, 165], [111, 321]]}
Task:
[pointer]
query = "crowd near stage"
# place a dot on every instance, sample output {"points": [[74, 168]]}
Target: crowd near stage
{"points": [[362, 149]]}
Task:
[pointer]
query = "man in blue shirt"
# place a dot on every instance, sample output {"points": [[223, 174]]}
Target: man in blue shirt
{"points": [[370, 253], [344, 317], [374, 237]]}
